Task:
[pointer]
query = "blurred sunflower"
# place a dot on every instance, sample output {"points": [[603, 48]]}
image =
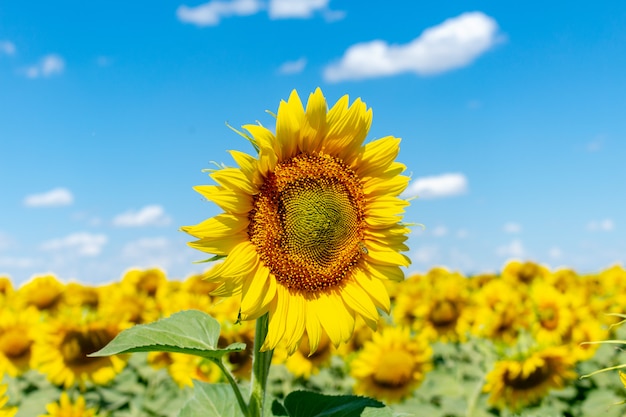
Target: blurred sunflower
{"points": [[436, 303], [391, 365], [147, 282], [65, 407], [44, 292], [498, 312], [311, 226], [302, 363], [6, 287], [525, 380], [553, 314], [184, 369], [17, 331], [524, 273], [125, 304], [77, 294], [5, 411], [61, 348], [239, 363]]}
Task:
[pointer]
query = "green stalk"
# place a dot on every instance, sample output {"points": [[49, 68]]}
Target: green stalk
{"points": [[261, 362], [235, 387]]}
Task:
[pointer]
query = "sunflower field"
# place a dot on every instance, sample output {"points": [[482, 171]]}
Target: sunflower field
{"points": [[504, 344]]}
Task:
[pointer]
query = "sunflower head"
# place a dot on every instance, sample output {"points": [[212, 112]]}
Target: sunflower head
{"points": [[522, 381], [311, 224]]}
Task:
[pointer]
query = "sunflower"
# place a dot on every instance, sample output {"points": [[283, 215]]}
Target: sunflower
{"points": [[311, 226], [61, 348], [498, 311], [44, 292], [68, 408], [302, 363], [553, 314], [391, 365], [17, 331], [519, 382]]}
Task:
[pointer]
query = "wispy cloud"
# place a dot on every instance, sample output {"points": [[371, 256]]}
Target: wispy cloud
{"points": [[82, 243], [605, 225], [7, 48], [437, 186], [513, 249], [53, 198], [48, 66], [512, 227], [455, 43], [298, 9], [151, 215], [426, 254], [293, 67], [439, 231], [555, 253], [211, 13]]}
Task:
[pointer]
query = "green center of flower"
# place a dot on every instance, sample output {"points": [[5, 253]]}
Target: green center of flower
{"points": [[308, 221]]}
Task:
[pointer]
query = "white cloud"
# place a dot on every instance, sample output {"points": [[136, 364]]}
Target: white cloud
{"points": [[143, 247], [83, 243], [152, 215], [605, 225], [439, 231], [512, 227], [301, 9], [7, 48], [20, 263], [54, 197], [210, 14], [514, 249], [437, 186], [48, 66], [462, 234], [426, 254], [555, 252], [455, 43], [293, 67]]}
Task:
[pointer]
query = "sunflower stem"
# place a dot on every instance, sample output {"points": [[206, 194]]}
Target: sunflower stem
{"points": [[261, 362], [235, 387]]}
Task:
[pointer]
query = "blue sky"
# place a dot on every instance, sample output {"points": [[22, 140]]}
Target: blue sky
{"points": [[511, 118]]}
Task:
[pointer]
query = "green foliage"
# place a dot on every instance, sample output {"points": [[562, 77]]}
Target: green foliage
{"points": [[211, 400], [312, 404], [192, 332]]}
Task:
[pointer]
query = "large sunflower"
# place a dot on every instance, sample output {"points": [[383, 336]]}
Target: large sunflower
{"points": [[311, 225]]}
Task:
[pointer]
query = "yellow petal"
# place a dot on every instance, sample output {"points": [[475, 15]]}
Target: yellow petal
{"points": [[263, 136], [375, 289], [242, 260], [358, 300], [394, 186], [294, 322], [257, 293], [222, 225], [315, 127], [226, 199], [376, 157], [278, 312], [336, 319], [288, 123], [234, 179], [313, 328], [219, 245], [384, 256]]}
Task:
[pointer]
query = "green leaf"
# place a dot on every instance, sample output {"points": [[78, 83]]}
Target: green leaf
{"points": [[313, 404], [211, 400], [191, 331]]}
